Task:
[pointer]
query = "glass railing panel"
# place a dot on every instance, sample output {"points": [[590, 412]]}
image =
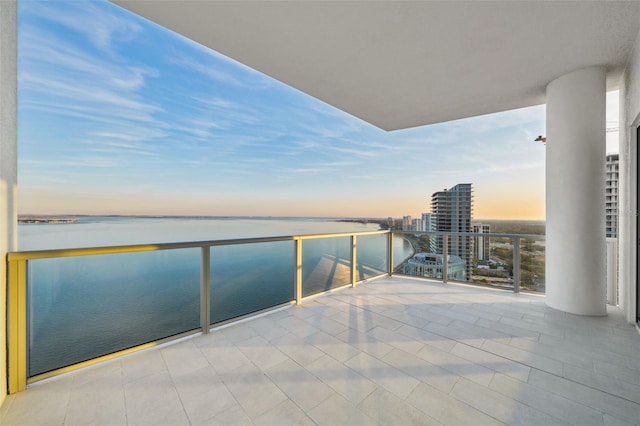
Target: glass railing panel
{"points": [[492, 262], [81, 308], [426, 259], [372, 257], [402, 250], [246, 278], [532, 265], [326, 264]]}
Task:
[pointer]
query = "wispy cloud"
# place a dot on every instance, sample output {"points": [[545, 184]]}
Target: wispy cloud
{"points": [[102, 25]]}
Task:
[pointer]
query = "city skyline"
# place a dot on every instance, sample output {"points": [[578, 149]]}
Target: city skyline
{"points": [[120, 116]]}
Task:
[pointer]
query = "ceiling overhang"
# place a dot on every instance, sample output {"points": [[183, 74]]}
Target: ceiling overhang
{"points": [[405, 64]]}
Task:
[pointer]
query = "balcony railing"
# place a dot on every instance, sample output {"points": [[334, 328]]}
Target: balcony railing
{"points": [[71, 308], [508, 261]]}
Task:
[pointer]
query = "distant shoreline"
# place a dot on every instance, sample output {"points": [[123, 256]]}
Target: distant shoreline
{"points": [[31, 220], [381, 222]]}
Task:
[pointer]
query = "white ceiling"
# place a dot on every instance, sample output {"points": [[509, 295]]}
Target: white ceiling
{"points": [[405, 64]]}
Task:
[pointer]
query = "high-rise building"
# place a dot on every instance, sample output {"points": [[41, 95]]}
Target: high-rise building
{"points": [[427, 222], [451, 211], [406, 223], [481, 244], [416, 225], [611, 194]]}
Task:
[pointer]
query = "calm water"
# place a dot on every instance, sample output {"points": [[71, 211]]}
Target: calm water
{"points": [[84, 307]]}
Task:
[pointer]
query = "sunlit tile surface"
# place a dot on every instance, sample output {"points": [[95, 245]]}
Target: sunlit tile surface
{"points": [[392, 351]]}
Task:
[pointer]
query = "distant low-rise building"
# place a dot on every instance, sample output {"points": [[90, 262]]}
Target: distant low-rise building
{"points": [[430, 265], [391, 222]]}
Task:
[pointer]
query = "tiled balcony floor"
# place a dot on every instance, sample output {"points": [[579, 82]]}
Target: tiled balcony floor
{"points": [[394, 351]]}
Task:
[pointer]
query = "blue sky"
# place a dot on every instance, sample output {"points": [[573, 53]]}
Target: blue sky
{"points": [[120, 116]]}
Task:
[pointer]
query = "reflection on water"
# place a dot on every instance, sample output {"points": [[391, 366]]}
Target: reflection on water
{"points": [[84, 307]]}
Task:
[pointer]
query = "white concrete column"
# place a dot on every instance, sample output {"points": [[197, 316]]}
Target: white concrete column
{"points": [[8, 164], [575, 186]]}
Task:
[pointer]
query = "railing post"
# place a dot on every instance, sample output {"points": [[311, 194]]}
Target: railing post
{"points": [[298, 276], [390, 253], [17, 352], [445, 258], [354, 260], [205, 289], [516, 264]]}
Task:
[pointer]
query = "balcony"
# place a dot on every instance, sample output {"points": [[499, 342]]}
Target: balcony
{"points": [[389, 350], [392, 351]]}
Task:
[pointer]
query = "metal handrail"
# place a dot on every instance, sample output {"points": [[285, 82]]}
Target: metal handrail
{"points": [[134, 248]]}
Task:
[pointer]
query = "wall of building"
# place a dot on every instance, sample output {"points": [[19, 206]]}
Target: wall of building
{"points": [[628, 208], [8, 164]]}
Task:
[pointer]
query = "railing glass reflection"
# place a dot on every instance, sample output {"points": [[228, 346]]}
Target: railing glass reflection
{"points": [[246, 278], [326, 264], [81, 308], [372, 256]]}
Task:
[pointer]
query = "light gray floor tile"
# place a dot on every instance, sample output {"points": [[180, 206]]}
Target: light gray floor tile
{"points": [[456, 365], [255, 392], [298, 349], [337, 411], [141, 365], [99, 402], [232, 416], [396, 339], [390, 378], [326, 324], [422, 370], [183, 358], [446, 409], [225, 357], [302, 387], [267, 328], [612, 421], [286, 413], [555, 405], [424, 336], [236, 333], [152, 400], [365, 343], [491, 361], [347, 382], [332, 346], [605, 383], [581, 360], [43, 404], [619, 372], [527, 358], [203, 394], [507, 410], [261, 352], [508, 329], [601, 401], [388, 409]]}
